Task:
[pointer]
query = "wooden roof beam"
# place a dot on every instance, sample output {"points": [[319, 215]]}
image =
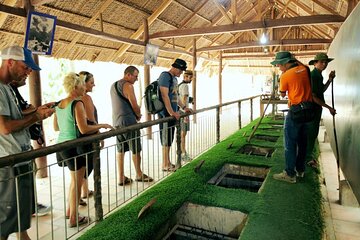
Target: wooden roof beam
{"points": [[294, 14], [140, 30], [311, 31], [89, 23], [4, 16], [216, 21], [112, 38], [139, 9], [85, 18], [328, 9], [196, 11], [283, 37], [265, 56], [285, 42], [246, 26], [40, 2], [284, 9], [222, 10], [237, 35], [234, 10], [219, 18], [20, 12], [193, 13], [310, 12]]}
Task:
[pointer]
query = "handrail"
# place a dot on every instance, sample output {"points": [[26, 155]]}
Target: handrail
{"points": [[25, 156]]}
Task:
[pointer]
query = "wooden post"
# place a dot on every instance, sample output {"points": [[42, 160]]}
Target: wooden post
{"points": [[97, 183], [239, 116], [35, 99], [251, 109], [178, 144], [194, 79], [147, 75], [217, 124], [220, 77]]}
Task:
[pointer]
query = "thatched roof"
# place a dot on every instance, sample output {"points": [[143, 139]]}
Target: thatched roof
{"points": [[100, 30]]}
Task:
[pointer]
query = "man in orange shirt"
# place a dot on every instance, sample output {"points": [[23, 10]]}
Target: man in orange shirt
{"points": [[295, 81]]}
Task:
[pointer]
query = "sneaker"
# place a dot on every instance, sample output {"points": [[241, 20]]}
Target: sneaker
{"points": [[284, 177], [300, 174], [185, 157], [42, 210]]}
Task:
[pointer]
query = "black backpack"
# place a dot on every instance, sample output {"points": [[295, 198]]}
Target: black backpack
{"points": [[153, 101]]}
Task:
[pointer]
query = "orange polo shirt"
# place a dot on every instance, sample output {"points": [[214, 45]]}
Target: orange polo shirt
{"points": [[295, 81]]}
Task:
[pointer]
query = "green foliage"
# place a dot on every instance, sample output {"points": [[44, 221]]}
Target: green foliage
{"points": [[53, 88], [279, 211]]}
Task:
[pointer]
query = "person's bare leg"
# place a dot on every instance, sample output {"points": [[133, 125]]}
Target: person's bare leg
{"points": [[84, 187], [22, 236], [120, 166], [183, 137], [137, 163], [74, 194], [166, 157]]}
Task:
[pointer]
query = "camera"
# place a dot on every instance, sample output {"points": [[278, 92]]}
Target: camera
{"points": [[191, 100]]}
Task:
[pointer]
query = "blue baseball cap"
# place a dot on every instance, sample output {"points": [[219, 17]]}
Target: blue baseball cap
{"points": [[20, 54]]}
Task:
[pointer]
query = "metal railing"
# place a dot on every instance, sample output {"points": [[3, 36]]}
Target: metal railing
{"points": [[212, 125]]}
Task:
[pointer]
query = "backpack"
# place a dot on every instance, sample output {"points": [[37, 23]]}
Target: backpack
{"points": [[153, 101]]}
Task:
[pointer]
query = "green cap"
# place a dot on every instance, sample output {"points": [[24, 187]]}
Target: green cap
{"points": [[282, 58], [320, 56]]}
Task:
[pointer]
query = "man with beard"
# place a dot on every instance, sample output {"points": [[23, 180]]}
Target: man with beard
{"points": [[16, 182]]}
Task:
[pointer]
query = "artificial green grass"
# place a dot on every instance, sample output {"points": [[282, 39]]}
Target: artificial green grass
{"points": [[280, 211]]}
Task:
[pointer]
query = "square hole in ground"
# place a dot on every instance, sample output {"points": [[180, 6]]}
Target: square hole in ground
{"points": [[277, 126], [268, 138], [249, 178], [250, 149], [279, 117], [194, 221]]}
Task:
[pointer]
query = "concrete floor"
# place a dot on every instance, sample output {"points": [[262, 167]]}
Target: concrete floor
{"points": [[342, 223]]}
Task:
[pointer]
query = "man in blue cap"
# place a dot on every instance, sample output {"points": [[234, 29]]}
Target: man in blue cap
{"points": [[294, 82], [16, 182]]}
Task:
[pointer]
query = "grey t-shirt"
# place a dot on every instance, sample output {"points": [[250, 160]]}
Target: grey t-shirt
{"points": [[15, 142], [122, 112]]}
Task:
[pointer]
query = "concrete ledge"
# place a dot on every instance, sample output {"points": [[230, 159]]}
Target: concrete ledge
{"points": [[347, 197]]}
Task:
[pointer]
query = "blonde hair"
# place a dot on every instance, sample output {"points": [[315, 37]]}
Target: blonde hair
{"points": [[72, 80]]}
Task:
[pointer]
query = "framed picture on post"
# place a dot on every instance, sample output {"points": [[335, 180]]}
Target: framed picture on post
{"points": [[151, 53], [40, 32]]}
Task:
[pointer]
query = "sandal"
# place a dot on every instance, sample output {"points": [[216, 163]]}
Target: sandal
{"points": [[126, 181], [171, 168], [90, 194], [144, 178], [81, 221]]}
